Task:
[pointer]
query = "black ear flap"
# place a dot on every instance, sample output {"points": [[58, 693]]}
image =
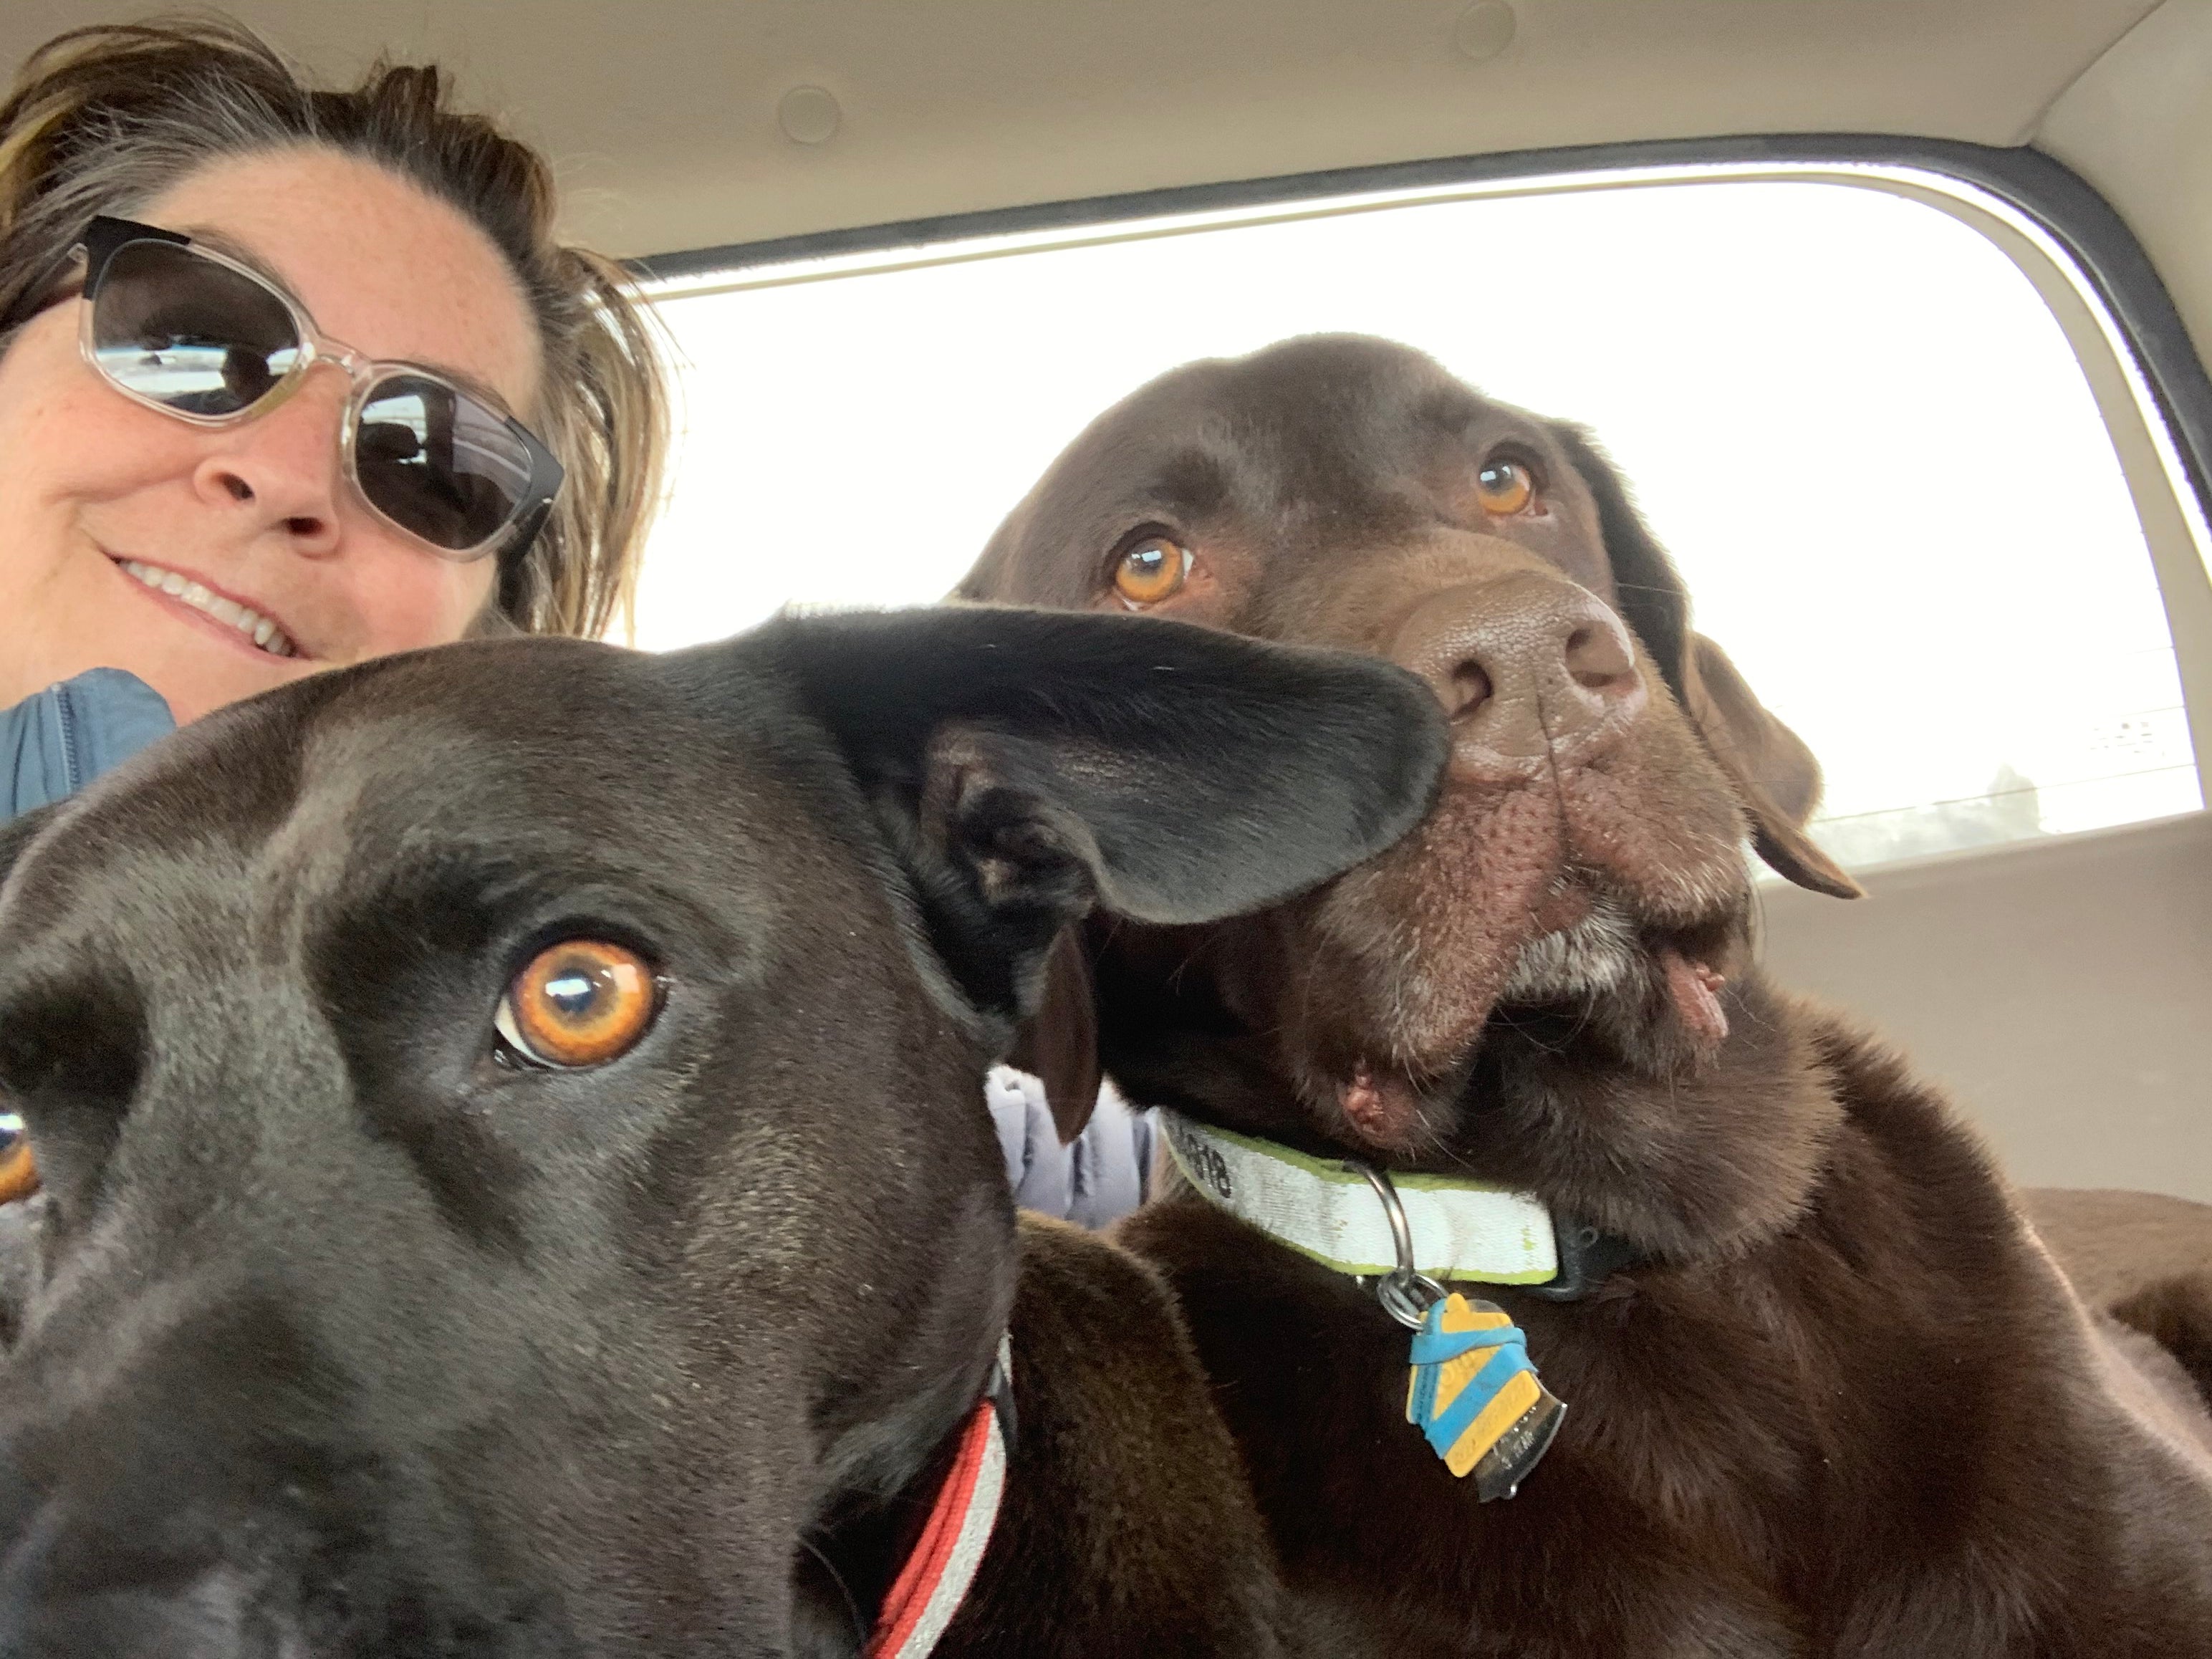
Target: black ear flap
{"points": [[1028, 766], [1058, 1044], [1774, 772]]}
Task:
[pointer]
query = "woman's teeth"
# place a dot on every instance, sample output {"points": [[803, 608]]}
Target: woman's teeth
{"points": [[252, 623]]}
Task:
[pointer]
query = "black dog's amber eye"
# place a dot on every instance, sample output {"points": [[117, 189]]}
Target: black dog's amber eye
{"points": [[1505, 487], [581, 1002], [19, 1169], [1152, 570]]}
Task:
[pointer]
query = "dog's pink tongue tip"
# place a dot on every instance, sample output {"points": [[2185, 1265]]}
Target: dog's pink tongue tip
{"points": [[1696, 992]]}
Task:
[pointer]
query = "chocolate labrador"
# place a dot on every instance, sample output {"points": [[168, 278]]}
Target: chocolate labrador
{"points": [[513, 1173], [1824, 1391]]}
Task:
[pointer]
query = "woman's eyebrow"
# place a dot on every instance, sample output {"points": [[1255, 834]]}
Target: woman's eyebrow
{"points": [[230, 247]]}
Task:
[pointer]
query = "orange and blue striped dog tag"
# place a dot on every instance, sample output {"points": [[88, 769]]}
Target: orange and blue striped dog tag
{"points": [[1476, 1395]]}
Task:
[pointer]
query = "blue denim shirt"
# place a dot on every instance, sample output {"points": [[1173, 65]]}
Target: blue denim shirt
{"points": [[54, 744]]}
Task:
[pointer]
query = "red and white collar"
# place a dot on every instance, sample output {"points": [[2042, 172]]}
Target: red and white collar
{"points": [[934, 1581]]}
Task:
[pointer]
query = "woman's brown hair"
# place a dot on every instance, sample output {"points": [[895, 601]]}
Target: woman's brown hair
{"points": [[101, 119]]}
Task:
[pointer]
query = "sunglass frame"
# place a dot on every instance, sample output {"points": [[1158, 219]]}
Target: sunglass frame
{"points": [[107, 236]]}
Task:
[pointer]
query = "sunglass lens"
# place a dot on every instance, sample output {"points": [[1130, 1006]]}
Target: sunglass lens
{"points": [[189, 334], [438, 463]]}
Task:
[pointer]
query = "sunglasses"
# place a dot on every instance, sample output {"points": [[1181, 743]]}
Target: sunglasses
{"points": [[195, 334]]}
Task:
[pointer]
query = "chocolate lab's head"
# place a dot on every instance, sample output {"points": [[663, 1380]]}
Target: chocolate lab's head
{"points": [[1584, 862], [514, 1170]]}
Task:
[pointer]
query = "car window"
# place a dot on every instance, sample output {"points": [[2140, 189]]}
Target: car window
{"points": [[1850, 417]]}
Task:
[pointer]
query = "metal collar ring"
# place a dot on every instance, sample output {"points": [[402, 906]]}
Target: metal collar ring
{"points": [[1406, 1292]]}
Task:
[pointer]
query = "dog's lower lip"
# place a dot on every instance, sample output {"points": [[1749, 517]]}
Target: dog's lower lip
{"points": [[1382, 1105], [1362, 1098]]}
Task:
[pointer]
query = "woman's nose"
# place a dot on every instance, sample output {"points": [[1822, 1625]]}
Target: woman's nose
{"points": [[283, 467]]}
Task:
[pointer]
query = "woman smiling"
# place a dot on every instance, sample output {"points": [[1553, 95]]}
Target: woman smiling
{"points": [[289, 379]]}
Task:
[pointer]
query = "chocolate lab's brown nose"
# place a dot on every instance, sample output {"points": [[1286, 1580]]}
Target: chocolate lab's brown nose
{"points": [[1527, 666]]}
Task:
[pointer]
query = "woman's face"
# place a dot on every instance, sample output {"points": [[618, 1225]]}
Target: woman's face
{"points": [[258, 514]]}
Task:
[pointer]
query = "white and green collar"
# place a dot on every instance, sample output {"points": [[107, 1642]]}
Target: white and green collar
{"points": [[1326, 1209]]}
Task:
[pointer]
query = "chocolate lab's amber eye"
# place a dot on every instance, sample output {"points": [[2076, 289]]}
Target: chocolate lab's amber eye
{"points": [[1152, 570], [1505, 487], [581, 1002], [19, 1170]]}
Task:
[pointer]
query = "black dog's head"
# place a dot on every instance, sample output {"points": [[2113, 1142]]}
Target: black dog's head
{"points": [[513, 1154], [1580, 879]]}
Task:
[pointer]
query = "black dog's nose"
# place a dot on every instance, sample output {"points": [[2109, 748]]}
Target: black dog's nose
{"points": [[1527, 665]]}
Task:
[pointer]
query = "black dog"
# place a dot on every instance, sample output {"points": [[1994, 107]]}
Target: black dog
{"points": [[515, 1178]]}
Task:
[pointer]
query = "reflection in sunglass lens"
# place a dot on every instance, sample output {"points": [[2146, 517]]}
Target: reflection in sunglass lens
{"points": [[437, 462], [189, 334]]}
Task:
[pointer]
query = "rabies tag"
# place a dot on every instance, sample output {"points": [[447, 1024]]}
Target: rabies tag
{"points": [[1474, 1393]]}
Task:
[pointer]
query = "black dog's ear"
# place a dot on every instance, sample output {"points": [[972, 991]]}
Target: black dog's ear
{"points": [[1774, 773], [1057, 1043], [1028, 766]]}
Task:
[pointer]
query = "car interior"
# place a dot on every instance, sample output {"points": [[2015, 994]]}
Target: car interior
{"points": [[1891, 314]]}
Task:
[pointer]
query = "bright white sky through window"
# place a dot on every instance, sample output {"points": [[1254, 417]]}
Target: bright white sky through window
{"points": [[1849, 417]]}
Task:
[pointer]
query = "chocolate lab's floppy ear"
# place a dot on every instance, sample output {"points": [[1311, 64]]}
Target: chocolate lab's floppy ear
{"points": [[1773, 769], [1774, 773], [1028, 766]]}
